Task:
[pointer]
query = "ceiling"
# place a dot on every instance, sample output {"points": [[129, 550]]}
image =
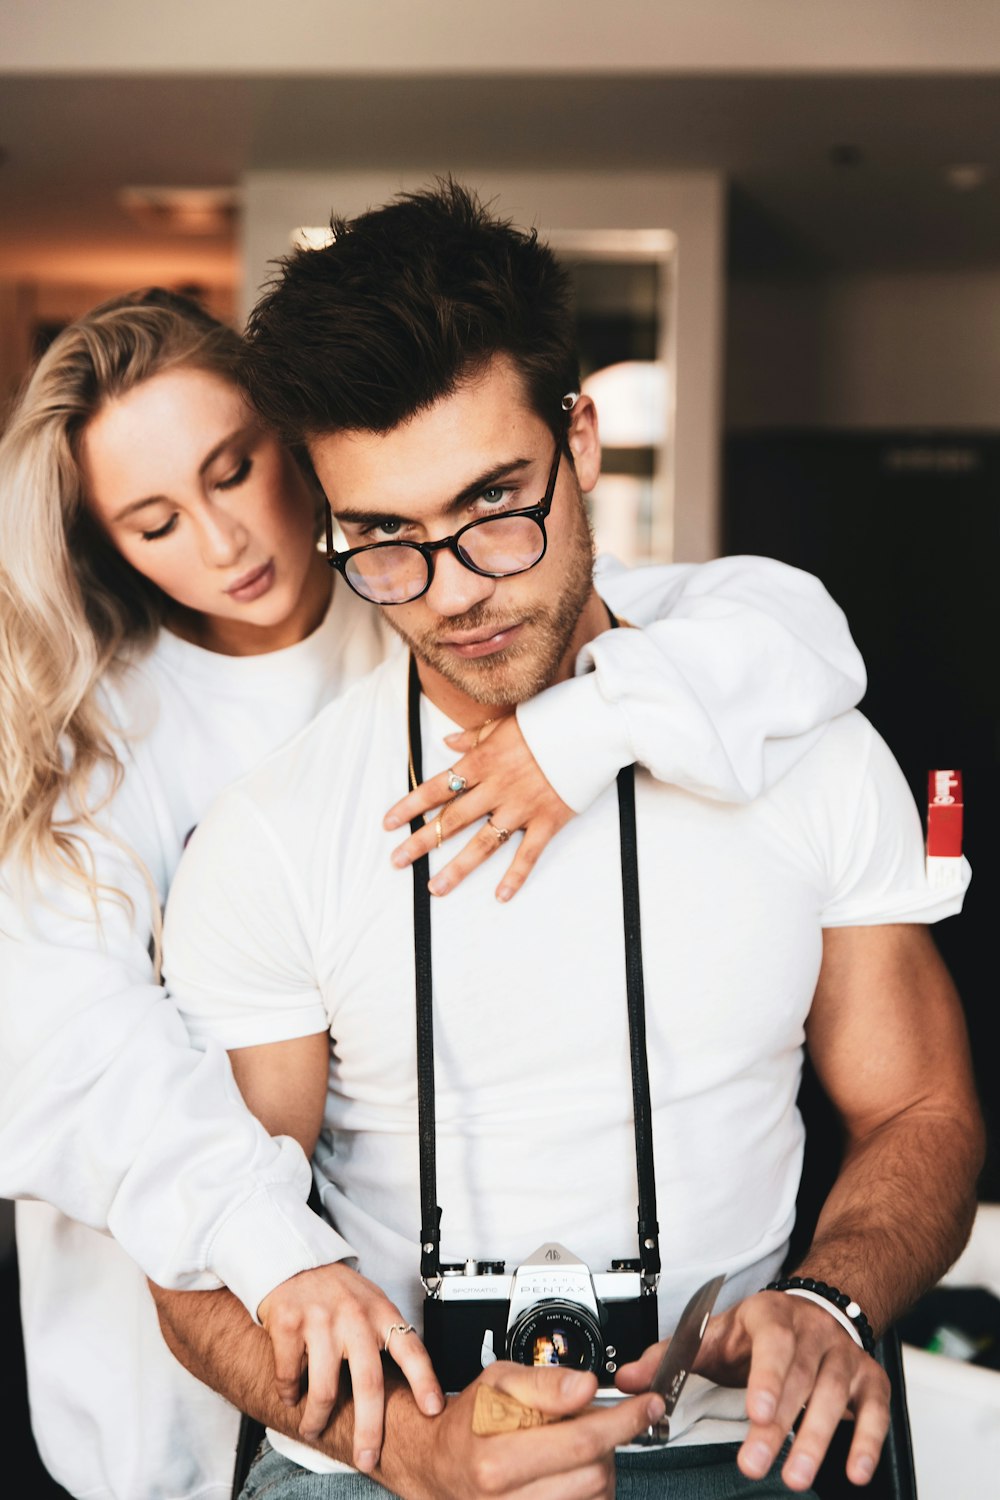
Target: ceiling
{"points": [[827, 173]]}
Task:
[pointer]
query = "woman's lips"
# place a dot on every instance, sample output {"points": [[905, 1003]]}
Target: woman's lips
{"points": [[483, 645], [252, 585]]}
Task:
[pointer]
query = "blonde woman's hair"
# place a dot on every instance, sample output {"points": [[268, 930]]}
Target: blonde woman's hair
{"points": [[71, 608]]}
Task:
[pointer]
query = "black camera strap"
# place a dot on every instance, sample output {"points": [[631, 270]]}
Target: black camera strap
{"points": [[430, 1212]]}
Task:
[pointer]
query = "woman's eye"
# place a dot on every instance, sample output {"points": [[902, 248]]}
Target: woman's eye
{"points": [[164, 530], [237, 477]]}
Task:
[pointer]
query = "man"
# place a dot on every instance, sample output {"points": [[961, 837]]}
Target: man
{"points": [[439, 410]]}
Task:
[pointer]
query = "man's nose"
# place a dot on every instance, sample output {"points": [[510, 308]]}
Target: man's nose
{"points": [[455, 588]]}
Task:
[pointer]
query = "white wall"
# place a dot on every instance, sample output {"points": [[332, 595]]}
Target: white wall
{"points": [[447, 36], [868, 351], [690, 205]]}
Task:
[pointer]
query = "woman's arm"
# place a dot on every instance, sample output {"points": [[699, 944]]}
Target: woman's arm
{"points": [[735, 669], [108, 1112]]}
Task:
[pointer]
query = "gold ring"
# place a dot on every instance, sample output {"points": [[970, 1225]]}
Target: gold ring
{"points": [[503, 834], [397, 1328], [439, 830]]}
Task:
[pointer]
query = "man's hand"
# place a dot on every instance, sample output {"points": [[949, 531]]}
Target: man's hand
{"points": [[572, 1459], [790, 1355], [506, 785], [320, 1318]]}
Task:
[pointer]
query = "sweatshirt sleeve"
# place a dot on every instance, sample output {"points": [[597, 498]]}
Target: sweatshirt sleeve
{"points": [[107, 1110], [736, 667]]}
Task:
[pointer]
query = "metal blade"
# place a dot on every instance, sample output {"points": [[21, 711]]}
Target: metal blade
{"points": [[675, 1366]]}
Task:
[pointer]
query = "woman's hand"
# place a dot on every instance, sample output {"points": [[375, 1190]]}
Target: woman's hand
{"points": [[320, 1318], [505, 785]]}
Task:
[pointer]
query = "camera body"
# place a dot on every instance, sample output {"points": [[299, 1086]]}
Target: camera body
{"points": [[551, 1311]]}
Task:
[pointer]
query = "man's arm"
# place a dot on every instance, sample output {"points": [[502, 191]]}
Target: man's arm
{"points": [[422, 1458], [888, 1039], [887, 1036]]}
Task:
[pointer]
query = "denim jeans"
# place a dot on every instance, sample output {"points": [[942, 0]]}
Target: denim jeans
{"points": [[705, 1472]]}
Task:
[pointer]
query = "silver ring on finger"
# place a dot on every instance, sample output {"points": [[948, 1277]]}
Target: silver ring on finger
{"points": [[457, 784], [503, 834], [396, 1328]]}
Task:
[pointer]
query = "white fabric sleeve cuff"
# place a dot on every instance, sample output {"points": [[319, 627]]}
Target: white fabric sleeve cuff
{"points": [[932, 902], [272, 1236], [578, 738]]}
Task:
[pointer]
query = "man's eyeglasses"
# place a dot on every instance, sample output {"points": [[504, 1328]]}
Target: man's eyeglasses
{"points": [[495, 547]]}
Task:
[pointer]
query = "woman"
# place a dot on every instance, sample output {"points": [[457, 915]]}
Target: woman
{"points": [[165, 621]]}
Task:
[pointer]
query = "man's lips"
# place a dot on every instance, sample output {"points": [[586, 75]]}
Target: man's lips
{"points": [[485, 642], [251, 585]]}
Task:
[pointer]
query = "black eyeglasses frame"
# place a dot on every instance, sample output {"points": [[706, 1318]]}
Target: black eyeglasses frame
{"points": [[538, 513]]}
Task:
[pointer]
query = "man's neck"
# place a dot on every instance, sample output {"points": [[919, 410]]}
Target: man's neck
{"points": [[469, 712]]}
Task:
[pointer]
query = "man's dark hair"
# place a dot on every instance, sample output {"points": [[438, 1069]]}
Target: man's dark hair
{"points": [[406, 302]]}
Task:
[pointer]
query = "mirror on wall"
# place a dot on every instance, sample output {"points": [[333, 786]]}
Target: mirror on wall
{"points": [[622, 286]]}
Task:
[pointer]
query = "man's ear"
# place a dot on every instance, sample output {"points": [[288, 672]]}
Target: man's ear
{"points": [[585, 443]]}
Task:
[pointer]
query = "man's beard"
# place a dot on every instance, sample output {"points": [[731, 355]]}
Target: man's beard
{"points": [[531, 663]]}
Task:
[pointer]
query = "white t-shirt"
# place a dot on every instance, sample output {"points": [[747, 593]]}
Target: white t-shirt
{"points": [[287, 918], [111, 1124]]}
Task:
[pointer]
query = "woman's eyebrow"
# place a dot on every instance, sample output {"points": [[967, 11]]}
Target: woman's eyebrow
{"points": [[203, 467], [135, 505], [220, 447], [481, 482]]}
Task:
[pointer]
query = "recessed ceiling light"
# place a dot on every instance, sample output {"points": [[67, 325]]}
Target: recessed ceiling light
{"points": [[965, 177], [195, 211]]}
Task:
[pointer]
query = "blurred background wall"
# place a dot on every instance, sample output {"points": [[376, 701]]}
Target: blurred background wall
{"points": [[783, 224]]}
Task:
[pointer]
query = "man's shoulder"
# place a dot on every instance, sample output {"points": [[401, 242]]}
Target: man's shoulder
{"points": [[837, 763]]}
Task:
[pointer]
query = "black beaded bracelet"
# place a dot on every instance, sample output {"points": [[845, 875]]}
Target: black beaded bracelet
{"points": [[831, 1294]]}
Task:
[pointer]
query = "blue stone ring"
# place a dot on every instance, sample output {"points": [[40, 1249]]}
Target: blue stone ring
{"points": [[456, 783]]}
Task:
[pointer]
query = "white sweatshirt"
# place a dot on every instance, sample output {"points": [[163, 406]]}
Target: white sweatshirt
{"points": [[136, 1146]]}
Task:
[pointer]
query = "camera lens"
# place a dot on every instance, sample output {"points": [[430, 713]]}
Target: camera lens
{"points": [[557, 1333]]}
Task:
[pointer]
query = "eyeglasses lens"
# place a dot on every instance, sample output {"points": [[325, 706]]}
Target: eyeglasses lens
{"points": [[503, 544], [388, 575], [498, 545]]}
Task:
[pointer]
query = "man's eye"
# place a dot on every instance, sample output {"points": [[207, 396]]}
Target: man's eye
{"points": [[385, 530], [495, 494], [164, 530]]}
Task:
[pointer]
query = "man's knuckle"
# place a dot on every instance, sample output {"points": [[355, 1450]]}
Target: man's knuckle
{"points": [[593, 1479], [783, 1342], [582, 1446], [487, 1473]]}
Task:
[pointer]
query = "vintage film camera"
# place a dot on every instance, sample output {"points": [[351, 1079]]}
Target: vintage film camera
{"points": [[551, 1311]]}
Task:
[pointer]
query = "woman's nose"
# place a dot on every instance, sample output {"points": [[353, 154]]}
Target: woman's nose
{"points": [[223, 538]]}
